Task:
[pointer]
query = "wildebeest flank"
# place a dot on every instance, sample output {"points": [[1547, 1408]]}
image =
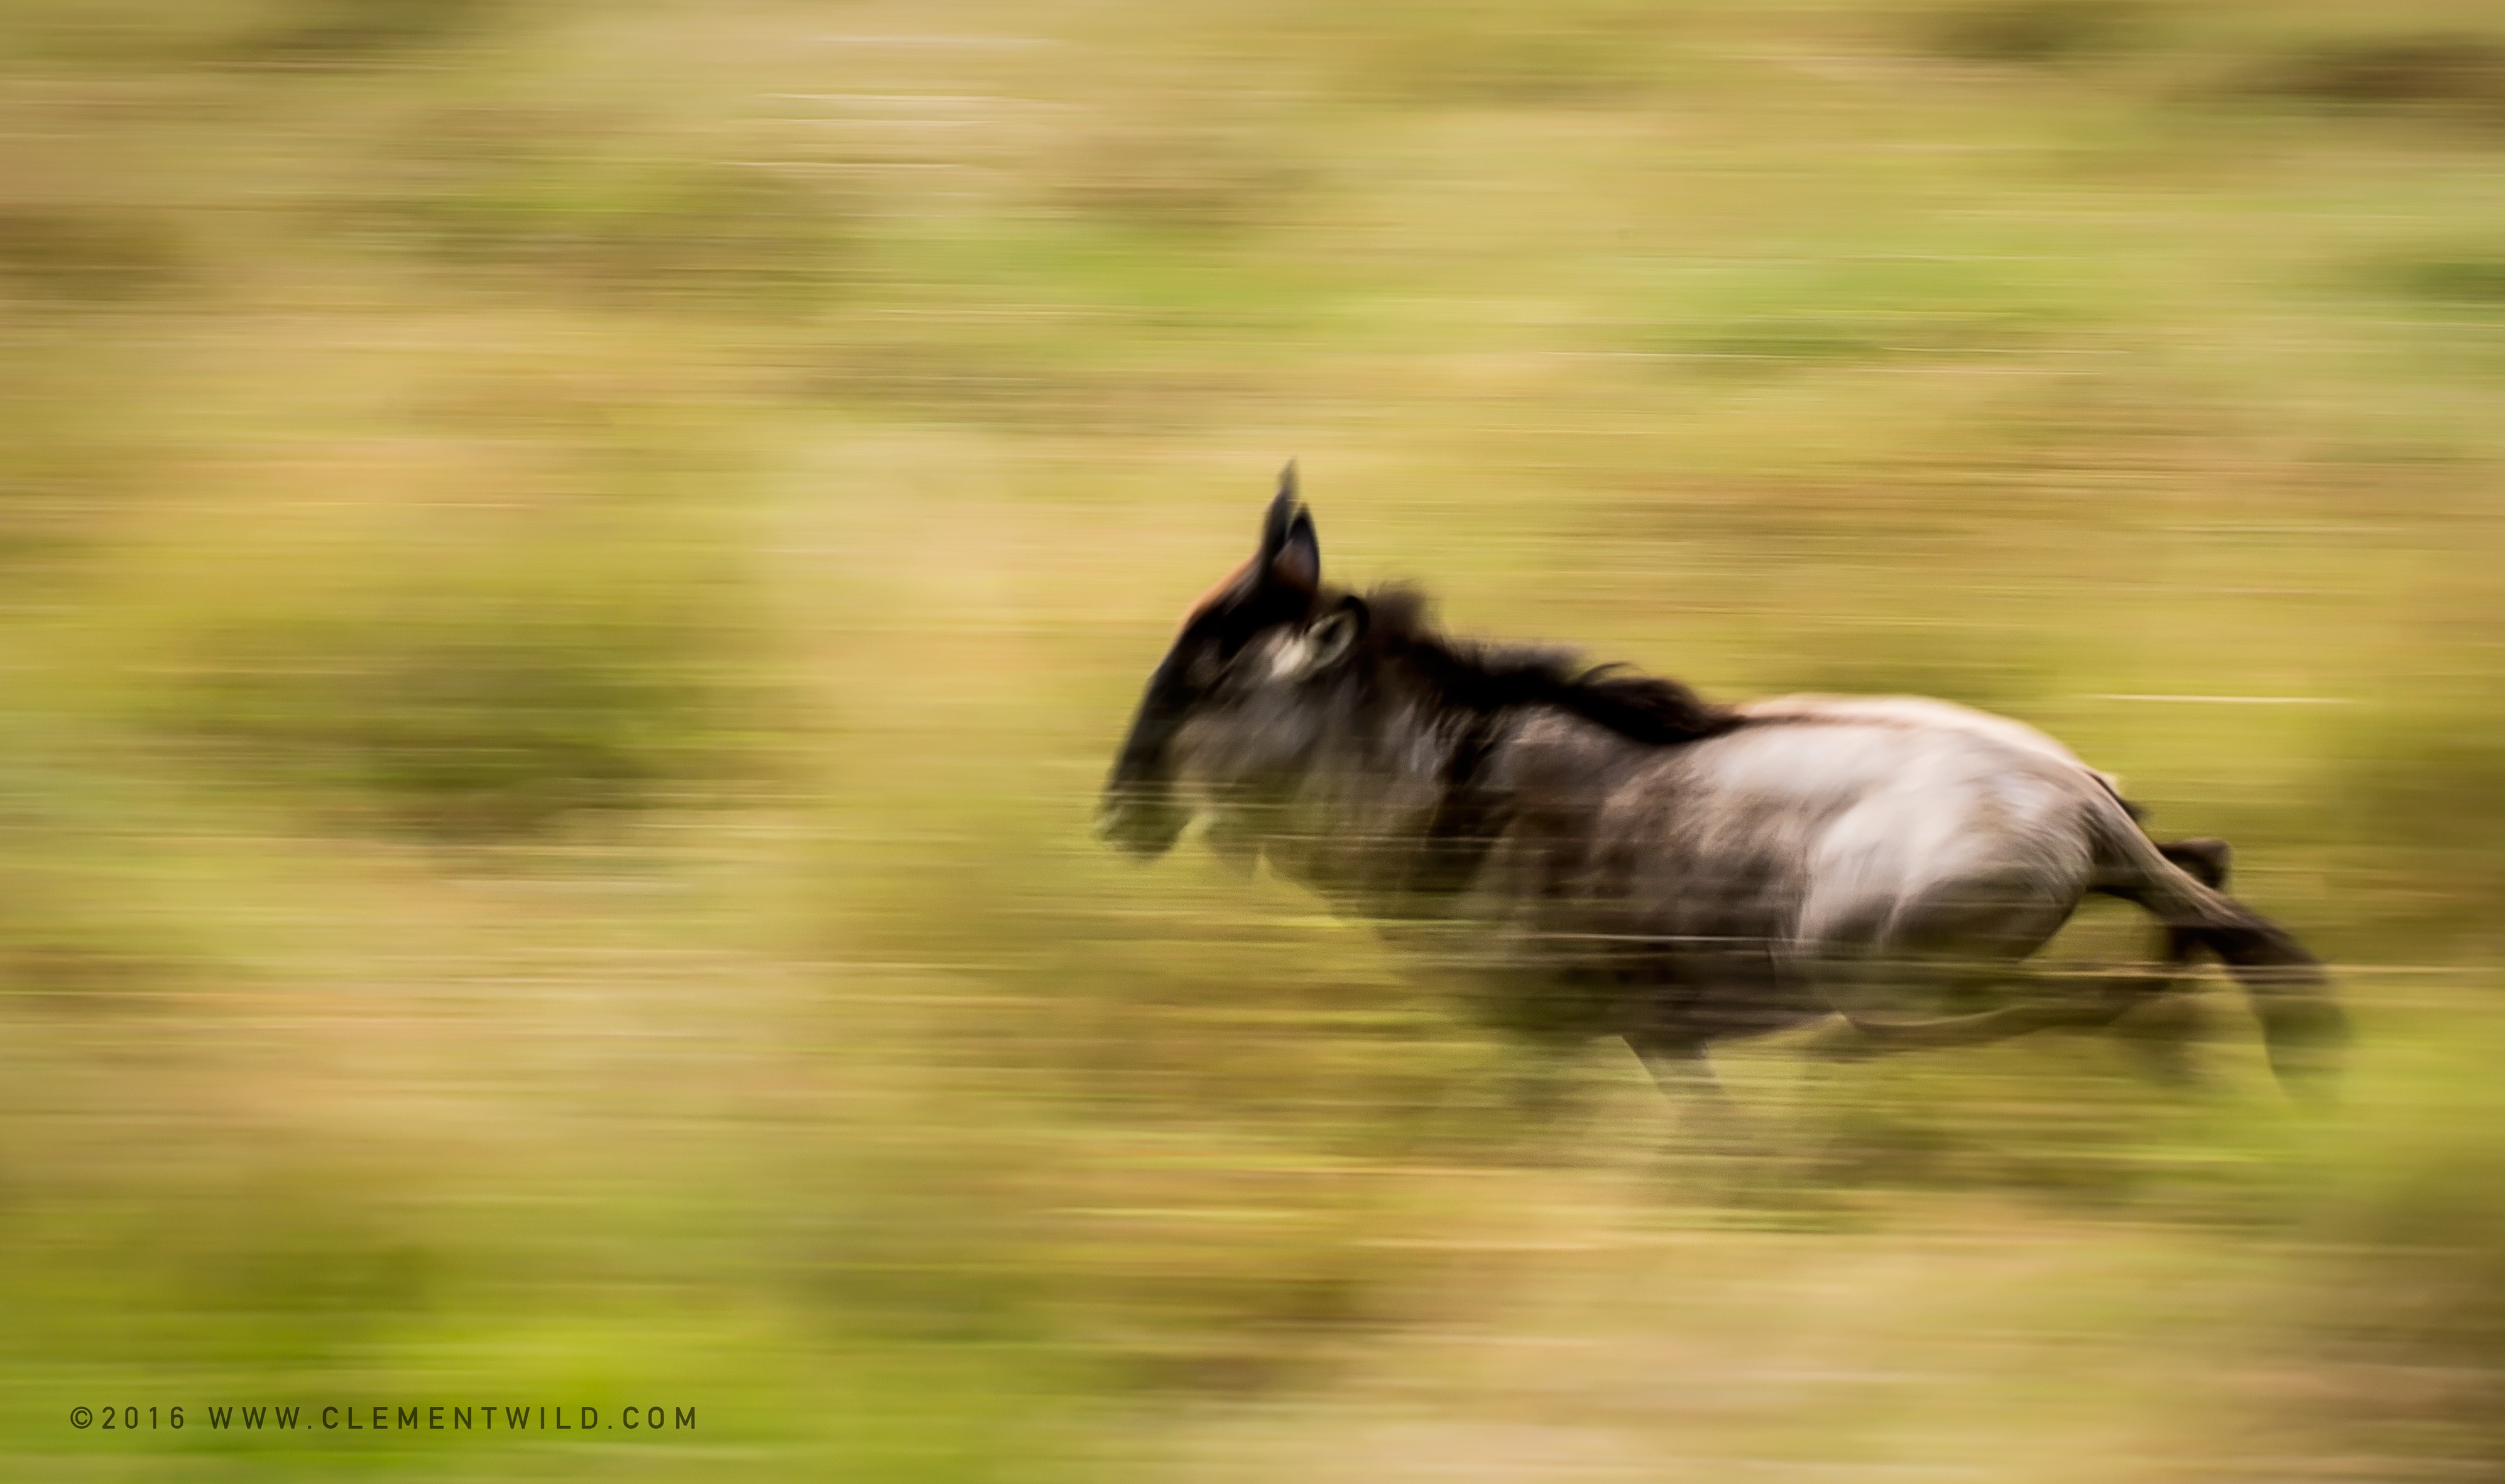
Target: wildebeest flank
{"points": [[1597, 852]]}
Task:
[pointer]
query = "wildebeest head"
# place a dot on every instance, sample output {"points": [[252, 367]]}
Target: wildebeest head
{"points": [[1235, 707]]}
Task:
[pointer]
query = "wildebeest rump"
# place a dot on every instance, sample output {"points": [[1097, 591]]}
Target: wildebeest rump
{"points": [[1599, 852]]}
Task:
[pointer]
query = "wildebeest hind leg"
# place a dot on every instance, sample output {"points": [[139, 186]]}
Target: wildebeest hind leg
{"points": [[2057, 1001], [2158, 1038]]}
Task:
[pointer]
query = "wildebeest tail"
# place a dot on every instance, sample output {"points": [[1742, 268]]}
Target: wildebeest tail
{"points": [[2301, 1021]]}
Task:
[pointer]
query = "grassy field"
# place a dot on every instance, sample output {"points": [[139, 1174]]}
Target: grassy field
{"points": [[569, 573]]}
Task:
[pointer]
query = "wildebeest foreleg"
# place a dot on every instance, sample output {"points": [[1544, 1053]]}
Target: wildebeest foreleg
{"points": [[1680, 1070]]}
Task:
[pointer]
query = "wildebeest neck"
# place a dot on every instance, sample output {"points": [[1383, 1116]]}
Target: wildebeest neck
{"points": [[1481, 677]]}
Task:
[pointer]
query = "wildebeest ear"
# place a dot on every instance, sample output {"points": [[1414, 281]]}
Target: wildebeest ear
{"points": [[1291, 555], [1329, 638], [1322, 643]]}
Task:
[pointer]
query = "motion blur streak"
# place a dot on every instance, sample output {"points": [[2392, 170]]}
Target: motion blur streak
{"points": [[572, 570]]}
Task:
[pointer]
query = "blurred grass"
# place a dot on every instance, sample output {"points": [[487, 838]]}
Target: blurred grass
{"points": [[572, 570]]}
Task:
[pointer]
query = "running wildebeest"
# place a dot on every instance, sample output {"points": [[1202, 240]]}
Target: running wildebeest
{"points": [[1599, 852]]}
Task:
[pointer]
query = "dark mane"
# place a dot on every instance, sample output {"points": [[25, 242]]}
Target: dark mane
{"points": [[1483, 677]]}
